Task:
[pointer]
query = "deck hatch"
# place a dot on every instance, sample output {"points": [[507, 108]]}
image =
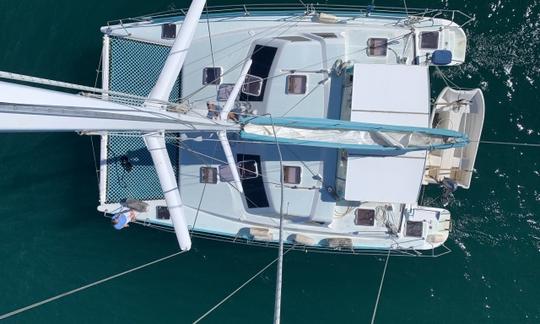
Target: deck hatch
{"points": [[162, 212], [254, 190], [212, 75], [364, 217], [414, 229], [168, 31], [252, 85], [429, 40], [224, 91], [262, 59], [377, 46]]}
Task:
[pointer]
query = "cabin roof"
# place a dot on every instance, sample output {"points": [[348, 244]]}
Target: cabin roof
{"points": [[390, 95]]}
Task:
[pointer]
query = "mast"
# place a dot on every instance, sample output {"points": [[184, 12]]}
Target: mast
{"points": [[177, 55], [222, 135], [156, 141], [279, 270]]}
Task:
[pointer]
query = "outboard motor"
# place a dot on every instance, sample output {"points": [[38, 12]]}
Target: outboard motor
{"points": [[449, 186]]}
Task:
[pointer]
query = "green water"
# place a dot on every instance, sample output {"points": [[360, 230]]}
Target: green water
{"points": [[53, 240]]}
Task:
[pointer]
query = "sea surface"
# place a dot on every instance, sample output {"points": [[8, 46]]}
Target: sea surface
{"points": [[52, 239]]}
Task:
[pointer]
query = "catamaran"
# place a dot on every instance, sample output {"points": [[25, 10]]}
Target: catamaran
{"points": [[241, 123]]}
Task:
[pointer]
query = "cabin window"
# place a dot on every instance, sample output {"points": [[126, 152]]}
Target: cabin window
{"points": [[224, 91], [364, 217], [296, 84], [168, 31], [414, 229], [252, 85], [292, 174], [429, 40], [377, 46], [208, 175], [212, 75]]}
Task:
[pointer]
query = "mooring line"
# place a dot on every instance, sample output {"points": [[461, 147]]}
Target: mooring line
{"points": [[67, 293]]}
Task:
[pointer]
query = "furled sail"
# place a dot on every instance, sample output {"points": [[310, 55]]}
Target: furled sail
{"points": [[349, 135], [28, 109]]}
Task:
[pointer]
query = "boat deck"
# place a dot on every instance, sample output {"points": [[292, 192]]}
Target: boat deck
{"points": [[133, 56]]}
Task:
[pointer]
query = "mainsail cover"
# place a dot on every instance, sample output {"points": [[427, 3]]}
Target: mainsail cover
{"points": [[349, 135]]}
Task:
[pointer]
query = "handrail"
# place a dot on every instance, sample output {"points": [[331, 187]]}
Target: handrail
{"points": [[291, 8]]}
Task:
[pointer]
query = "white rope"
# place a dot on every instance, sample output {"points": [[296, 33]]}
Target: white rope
{"points": [[510, 143], [67, 293], [380, 286], [238, 289]]}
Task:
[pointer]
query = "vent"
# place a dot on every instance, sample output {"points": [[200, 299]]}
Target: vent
{"points": [[326, 35], [294, 38]]}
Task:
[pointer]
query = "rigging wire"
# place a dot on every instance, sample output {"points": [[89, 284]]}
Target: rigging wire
{"points": [[203, 191], [218, 77], [67, 293], [380, 286], [508, 143], [95, 161], [239, 288]]}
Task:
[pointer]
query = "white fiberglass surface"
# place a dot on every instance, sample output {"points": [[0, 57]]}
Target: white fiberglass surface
{"points": [[399, 92]]}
